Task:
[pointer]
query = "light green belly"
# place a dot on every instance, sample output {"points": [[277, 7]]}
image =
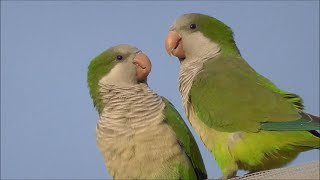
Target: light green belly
{"points": [[247, 151]]}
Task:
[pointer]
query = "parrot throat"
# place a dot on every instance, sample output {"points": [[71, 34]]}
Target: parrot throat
{"points": [[129, 109], [189, 69]]}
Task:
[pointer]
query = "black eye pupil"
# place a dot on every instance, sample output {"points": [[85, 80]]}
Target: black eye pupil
{"points": [[119, 57], [193, 26]]}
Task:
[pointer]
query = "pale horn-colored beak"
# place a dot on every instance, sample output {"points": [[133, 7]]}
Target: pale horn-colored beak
{"points": [[173, 44], [143, 66]]}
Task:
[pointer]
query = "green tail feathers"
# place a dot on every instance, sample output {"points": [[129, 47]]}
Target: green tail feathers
{"points": [[315, 133]]}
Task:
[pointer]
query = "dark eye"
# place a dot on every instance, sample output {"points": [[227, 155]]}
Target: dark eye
{"points": [[193, 26], [119, 57]]}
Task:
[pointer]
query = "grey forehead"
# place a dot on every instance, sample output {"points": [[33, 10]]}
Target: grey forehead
{"points": [[125, 48], [186, 18]]}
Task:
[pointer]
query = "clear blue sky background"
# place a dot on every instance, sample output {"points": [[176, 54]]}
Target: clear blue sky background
{"points": [[47, 117]]}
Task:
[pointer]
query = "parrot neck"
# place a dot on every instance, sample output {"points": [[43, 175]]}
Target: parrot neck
{"points": [[189, 69], [129, 109], [196, 55]]}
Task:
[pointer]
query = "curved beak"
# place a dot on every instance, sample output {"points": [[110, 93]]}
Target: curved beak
{"points": [[143, 66], [174, 46]]}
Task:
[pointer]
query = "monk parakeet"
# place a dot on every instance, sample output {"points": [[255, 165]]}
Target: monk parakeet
{"points": [[139, 133], [244, 119]]}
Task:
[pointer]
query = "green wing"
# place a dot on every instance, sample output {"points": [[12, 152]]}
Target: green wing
{"points": [[229, 95], [185, 138], [306, 122], [292, 98]]}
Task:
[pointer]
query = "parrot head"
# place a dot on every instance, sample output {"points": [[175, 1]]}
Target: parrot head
{"points": [[119, 65], [198, 35]]}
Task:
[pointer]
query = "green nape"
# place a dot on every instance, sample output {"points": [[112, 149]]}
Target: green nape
{"points": [[185, 138], [218, 32], [98, 68]]}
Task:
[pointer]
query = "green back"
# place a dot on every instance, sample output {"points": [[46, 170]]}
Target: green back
{"points": [[186, 140], [229, 95]]}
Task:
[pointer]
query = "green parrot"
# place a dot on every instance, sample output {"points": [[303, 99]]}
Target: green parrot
{"points": [[139, 133], [244, 120]]}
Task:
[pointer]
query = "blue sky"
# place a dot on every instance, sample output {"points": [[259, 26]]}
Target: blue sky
{"points": [[47, 117]]}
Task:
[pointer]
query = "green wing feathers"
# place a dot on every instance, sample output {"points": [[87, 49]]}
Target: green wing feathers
{"points": [[229, 95], [306, 122], [294, 99], [185, 138]]}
